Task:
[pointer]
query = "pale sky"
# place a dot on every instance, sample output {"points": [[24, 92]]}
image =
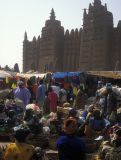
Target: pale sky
{"points": [[18, 16]]}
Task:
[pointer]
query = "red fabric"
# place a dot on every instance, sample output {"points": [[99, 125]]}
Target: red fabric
{"points": [[67, 85], [53, 98], [34, 88]]}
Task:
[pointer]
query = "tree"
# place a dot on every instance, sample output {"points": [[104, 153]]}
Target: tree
{"points": [[16, 68], [7, 68]]}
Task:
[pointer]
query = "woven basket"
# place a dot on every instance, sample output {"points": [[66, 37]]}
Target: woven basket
{"points": [[51, 155]]}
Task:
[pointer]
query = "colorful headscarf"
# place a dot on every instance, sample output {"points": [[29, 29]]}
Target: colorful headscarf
{"points": [[70, 126]]}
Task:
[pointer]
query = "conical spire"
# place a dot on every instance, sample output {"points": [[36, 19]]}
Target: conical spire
{"points": [[52, 15], [34, 39], [90, 6], [119, 24], [38, 38], [67, 33], [97, 2], [76, 33], [106, 6], [85, 13], [25, 36], [72, 33], [80, 32]]}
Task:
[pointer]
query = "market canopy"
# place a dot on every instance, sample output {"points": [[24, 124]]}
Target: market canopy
{"points": [[65, 74], [4, 74], [106, 74], [29, 75]]}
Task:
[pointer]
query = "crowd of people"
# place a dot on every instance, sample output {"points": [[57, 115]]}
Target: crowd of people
{"points": [[81, 126]]}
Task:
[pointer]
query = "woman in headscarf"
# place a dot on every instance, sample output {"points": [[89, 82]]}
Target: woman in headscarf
{"points": [[19, 150], [53, 99], [96, 124], [70, 146]]}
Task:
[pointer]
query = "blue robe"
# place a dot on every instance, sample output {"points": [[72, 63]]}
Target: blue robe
{"points": [[71, 148]]}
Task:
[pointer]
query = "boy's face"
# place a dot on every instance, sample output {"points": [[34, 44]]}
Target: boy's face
{"points": [[21, 86]]}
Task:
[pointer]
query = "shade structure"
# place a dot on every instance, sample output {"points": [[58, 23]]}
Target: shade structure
{"points": [[29, 75], [65, 74], [106, 74], [4, 74]]}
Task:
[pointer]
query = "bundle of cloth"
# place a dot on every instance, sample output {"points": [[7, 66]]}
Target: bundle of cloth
{"points": [[102, 91], [65, 109], [34, 108], [16, 105], [115, 89]]}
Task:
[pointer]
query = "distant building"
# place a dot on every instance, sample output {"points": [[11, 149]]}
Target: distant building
{"points": [[96, 46]]}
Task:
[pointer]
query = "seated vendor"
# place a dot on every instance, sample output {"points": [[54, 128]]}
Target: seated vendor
{"points": [[19, 149], [70, 146], [96, 125]]}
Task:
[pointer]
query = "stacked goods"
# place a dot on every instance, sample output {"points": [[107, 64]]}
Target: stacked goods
{"points": [[103, 91]]}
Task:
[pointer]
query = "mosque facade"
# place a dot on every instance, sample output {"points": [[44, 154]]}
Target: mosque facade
{"points": [[94, 47]]}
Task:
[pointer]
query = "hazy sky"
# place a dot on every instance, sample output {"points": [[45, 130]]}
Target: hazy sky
{"points": [[18, 16]]}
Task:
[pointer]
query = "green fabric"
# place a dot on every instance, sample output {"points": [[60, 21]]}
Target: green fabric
{"points": [[113, 117]]}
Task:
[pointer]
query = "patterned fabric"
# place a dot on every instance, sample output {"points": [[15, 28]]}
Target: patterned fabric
{"points": [[108, 152], [80, 100], [114, 154], [18, 151], [105, 150]]}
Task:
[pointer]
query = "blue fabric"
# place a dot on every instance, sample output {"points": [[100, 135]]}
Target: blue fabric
{"points": [[22, 94], [84, 114], [41, 91], [65, 74], [71, 148], [97, 125]]}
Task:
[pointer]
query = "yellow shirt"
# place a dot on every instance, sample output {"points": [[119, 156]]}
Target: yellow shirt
{"points": [[18, 151], [75, 91]]}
